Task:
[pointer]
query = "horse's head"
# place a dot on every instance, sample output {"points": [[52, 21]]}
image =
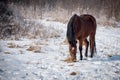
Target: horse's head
{"points": [[72, 50]]}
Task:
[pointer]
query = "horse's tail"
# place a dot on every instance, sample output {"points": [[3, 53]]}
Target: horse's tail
{"points": [[70, 31], [95, 26]]}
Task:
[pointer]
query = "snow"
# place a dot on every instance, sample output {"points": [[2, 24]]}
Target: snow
{"points": [[19, 63]]}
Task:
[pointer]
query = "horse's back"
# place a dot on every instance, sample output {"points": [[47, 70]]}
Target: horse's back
{"points": [[89, 18], [89, 21]]}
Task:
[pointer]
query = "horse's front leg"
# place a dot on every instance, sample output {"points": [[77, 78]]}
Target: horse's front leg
{"points": [[80, 48]]}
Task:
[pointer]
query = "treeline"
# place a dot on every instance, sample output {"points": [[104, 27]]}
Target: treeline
{"points": [[105, 11], [110, 7]]}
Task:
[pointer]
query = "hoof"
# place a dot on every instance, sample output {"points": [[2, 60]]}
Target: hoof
{"points": [[91, 56], [86, 55], [81, 59]]}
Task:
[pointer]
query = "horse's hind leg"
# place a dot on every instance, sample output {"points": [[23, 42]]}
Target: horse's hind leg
{"points": [[86, 43], [80, 48], [92, 44]]}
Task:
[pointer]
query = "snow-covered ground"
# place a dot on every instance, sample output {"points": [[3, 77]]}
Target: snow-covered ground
{"points": [[39, 59]]}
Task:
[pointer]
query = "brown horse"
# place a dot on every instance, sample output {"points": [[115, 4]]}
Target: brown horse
{"points": [[78, 29]]}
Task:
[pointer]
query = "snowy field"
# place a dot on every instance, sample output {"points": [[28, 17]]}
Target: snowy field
{"points": [[43, 59]]}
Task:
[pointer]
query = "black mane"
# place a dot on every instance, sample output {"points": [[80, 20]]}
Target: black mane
{"points": [[70, 31]]}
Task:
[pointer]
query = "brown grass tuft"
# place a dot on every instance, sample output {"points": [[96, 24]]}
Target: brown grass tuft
{"points": [[73, 73], [109, 55], [69, 60], [35, 49], [12, 45], [7, 52], [65, 42], [31, 48]]}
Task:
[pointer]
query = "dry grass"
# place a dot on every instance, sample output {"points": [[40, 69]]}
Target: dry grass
{"points": [[69, 60], [31, 48], [73, 73], [34, 30], [41, 42], [31, 36], [35, 49], [109, 55], [6, 52], [65, 42], [71, 65], [12, 45]]}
